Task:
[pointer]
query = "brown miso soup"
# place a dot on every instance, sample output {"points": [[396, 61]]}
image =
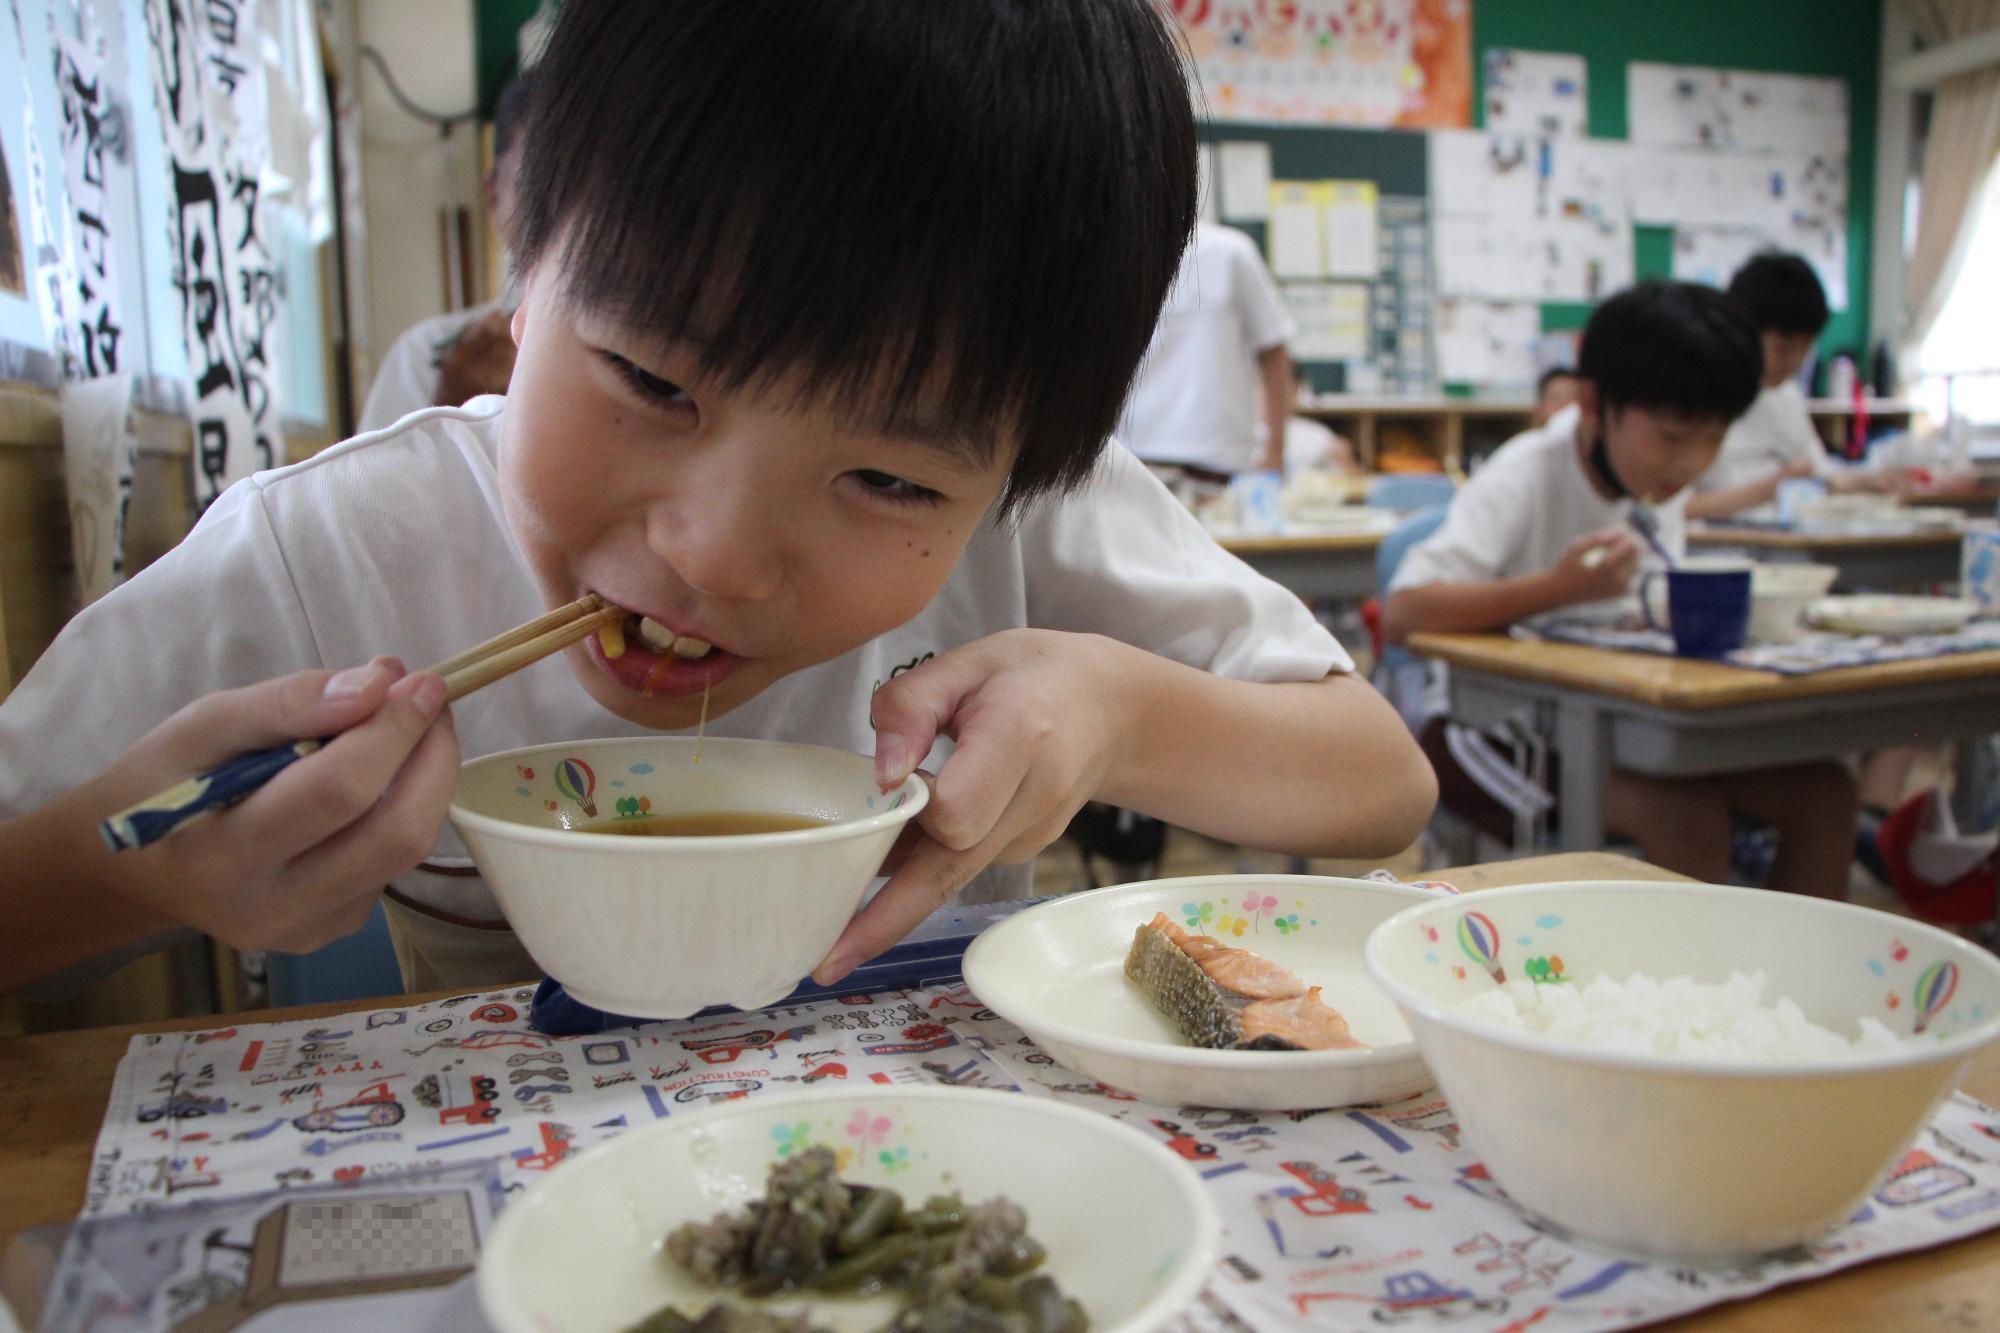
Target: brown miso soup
{"points": [[705, 824]]}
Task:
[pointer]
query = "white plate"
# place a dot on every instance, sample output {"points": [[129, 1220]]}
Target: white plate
{"points": [[1057, 972], [1129, 1228], [1885, 614]]}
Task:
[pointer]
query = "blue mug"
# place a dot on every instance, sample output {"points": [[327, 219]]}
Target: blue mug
{"points": [[1708, 609]]}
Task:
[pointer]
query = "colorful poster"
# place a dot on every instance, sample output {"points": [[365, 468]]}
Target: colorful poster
{"points": [[208, 83], [1536, 92], [1337, 62]]}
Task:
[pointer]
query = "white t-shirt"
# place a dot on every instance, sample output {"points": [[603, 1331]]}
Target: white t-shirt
{"points": [[406, 381], [395, 543], [1517, 515], [1197, 397], [1775, 432]]}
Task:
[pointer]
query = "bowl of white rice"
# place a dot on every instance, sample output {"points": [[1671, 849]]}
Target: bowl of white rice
{"points": [[1687, 1073]]}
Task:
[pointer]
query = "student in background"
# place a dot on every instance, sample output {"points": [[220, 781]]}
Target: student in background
{"points": [[1775, 440], [1218, 367], [1553, 392], [1313, 446], [1664, 369], [447, 359]]}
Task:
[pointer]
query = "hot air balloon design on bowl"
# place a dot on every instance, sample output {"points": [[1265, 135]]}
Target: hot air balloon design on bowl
{"points": [[1935, 987], [574, 779], [1481, 942]]}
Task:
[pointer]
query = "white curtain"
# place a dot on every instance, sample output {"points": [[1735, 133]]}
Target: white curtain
{"points": [[1963, 143]]}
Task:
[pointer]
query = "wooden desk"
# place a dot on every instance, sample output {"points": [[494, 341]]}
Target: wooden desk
{"points": [[1868, 562], [1669, 717], [1980, 500], [53, 1090], [1338, 566]]}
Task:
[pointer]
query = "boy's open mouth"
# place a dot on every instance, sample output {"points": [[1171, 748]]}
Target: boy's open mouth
{"points": [[644, 655]]}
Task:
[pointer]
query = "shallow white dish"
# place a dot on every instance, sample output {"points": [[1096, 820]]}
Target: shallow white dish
{"points": [[1057, 972], [1688, 1160], [1129, 1228], [658, 927], [1882, 613]]}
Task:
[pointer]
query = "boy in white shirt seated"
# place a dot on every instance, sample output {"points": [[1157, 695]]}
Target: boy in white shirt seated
{"points": [[1664, 369], [861, 461], [1774, 440]]}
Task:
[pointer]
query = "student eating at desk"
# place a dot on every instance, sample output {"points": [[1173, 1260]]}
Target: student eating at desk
{"points": [[1545, 524]]}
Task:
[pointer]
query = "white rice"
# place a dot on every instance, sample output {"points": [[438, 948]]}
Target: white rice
{"points": [[1726, 1021]]}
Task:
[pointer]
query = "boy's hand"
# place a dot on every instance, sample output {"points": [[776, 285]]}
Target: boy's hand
{"points": [[1038, 723], [1597, 565], [303, 859]]}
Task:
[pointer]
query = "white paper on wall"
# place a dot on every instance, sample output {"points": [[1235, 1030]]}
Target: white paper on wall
{"points": [[1332, 319], [1350, 229], [1713, 254], [1294, 234], [1487, 343], [1694, 106], [1531, 219], [1539, 93], [1246, 180]]}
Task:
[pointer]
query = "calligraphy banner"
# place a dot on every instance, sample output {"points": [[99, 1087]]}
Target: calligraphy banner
{"points": [[94, 323], [208, 82]]}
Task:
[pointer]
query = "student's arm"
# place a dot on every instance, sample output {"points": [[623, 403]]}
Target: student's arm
{"points": [[1736, 499], [296, 865], [1274, 375], [1489, 604], [1045, 721]]}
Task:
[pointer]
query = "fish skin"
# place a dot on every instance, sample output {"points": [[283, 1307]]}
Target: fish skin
{"points": [[1225, 998]]}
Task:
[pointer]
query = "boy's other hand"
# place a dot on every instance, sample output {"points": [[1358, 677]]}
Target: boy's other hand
{"points": [[301, 861], [480, 360], [1597, 565], [1037, 721]]}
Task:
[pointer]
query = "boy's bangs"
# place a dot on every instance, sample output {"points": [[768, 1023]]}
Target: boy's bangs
{"points": [[878, 203]]}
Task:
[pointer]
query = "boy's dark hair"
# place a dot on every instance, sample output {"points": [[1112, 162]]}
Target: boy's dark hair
{"points": [[510, 110], [1675, 347], [1781, 292], [987, 199], [1550, 376]]}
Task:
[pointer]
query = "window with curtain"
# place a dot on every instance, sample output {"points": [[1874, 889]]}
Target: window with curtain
{"points": [[1958, 360]]}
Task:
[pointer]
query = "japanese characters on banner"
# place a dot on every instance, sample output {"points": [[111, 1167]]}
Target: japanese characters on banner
{"points": [[93, 328], [1762, 157], [1343, 62], [208, 80]]}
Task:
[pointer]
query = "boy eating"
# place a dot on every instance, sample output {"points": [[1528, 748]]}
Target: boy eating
{"points": [[1663, 370], [827, 313]]}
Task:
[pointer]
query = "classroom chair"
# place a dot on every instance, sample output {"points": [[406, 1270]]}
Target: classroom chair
{"points": [[1398, 675], [1410, 492]]}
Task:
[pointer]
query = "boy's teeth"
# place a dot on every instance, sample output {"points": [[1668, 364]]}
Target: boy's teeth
{"points": [[662, 639]]}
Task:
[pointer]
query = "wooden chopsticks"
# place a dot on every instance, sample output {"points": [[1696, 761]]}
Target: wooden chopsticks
{"points": [[504, 654]]}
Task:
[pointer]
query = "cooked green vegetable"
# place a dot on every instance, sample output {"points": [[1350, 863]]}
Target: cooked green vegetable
{"points": [[962, 1269]]}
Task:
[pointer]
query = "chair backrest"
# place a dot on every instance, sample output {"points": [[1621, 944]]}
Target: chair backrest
{"points": [[1406, 492], [1401, 539]]}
